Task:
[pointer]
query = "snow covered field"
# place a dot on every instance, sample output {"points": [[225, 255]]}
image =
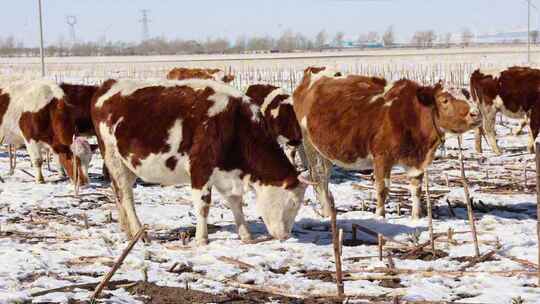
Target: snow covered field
{"points": [[50, 239]]}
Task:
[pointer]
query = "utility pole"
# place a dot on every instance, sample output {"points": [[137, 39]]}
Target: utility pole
{"points": [[41, 53], [72, 21], [145, 21], [529, 32]]}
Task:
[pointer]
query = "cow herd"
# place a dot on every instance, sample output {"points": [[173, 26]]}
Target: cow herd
{"points": [[194, 128]]}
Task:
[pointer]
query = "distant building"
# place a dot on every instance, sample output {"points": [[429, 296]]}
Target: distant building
{"points": [[503, 37]]}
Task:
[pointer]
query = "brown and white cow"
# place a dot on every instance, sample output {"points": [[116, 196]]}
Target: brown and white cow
{"points": [[41, 114], [358, 122], [197, 73], [200, 132], [278, 112], [515, 92]]}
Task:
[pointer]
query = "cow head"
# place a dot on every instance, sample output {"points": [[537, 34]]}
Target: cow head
{"points": [[79, 156], [279, 205], [484, 90], [453, 113], [286, 126]]}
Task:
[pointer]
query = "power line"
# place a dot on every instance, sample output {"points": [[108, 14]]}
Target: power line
{"points": [[145, 21]]}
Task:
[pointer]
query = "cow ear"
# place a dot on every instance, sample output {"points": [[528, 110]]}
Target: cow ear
{"points": [[466, 93], [426, 95]]}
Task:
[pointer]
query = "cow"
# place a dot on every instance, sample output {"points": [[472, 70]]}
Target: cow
{"points": [[360, 123], [189, 73], [199, 132], [43, 115], [515, 93], [278, 112]]}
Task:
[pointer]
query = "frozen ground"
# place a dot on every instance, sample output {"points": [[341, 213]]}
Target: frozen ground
{"points": [[44, 242]]}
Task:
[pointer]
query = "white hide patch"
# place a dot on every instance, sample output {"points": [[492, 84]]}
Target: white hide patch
{"points": [[494, 72], [387, 88], [327, 72], [268, 99], [303, 123], [413, 172], [218, 76], [153, 168], [221, 101]]}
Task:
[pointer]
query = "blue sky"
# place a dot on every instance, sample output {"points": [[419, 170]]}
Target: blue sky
{"points": [[118, 19]]}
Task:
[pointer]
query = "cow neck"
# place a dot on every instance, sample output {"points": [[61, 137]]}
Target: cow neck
{"points": [[260, 155], [440, 134]]}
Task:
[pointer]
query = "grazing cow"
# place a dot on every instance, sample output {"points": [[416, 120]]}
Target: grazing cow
{"points": [[189, 73], [359, 123], [514, 92], [201, 132], [41, 114]]}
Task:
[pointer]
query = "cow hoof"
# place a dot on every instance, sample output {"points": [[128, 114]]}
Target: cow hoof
{"points": [[380, 212], [40, 181], [202, 242], [246, 238]]}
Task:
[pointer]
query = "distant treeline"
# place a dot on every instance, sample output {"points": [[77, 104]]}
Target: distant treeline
{"points": [[287, 42]]}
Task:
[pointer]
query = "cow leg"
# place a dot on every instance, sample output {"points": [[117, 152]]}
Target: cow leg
{"points": [[302, 154], [415, 184], [201, 202], [519, 129], [382, 184], [478, 139], [122, 216], [530, 144], [489, 128], [34, 150], [123, 180], [235, 203], [320, 170], [61, 169]]}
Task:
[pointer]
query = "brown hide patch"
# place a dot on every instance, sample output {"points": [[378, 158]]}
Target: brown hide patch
{"points": [[4, 104], [519, 88], [342, 117], [258, 92], [78, 99]]}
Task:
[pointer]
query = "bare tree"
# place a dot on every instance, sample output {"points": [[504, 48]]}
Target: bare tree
{"points": [[320, 39], [424, 38], [388, 37], [286, 43], [448, 39], [466, 36], [240, 44], [339, 39], [373, 37]]}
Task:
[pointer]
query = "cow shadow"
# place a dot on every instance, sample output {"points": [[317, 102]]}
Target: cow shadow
{"points": [[522, 210], [319, 232], [340, 175]]}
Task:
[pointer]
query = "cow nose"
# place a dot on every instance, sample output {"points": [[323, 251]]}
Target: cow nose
{"points": [[475, 114]]}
